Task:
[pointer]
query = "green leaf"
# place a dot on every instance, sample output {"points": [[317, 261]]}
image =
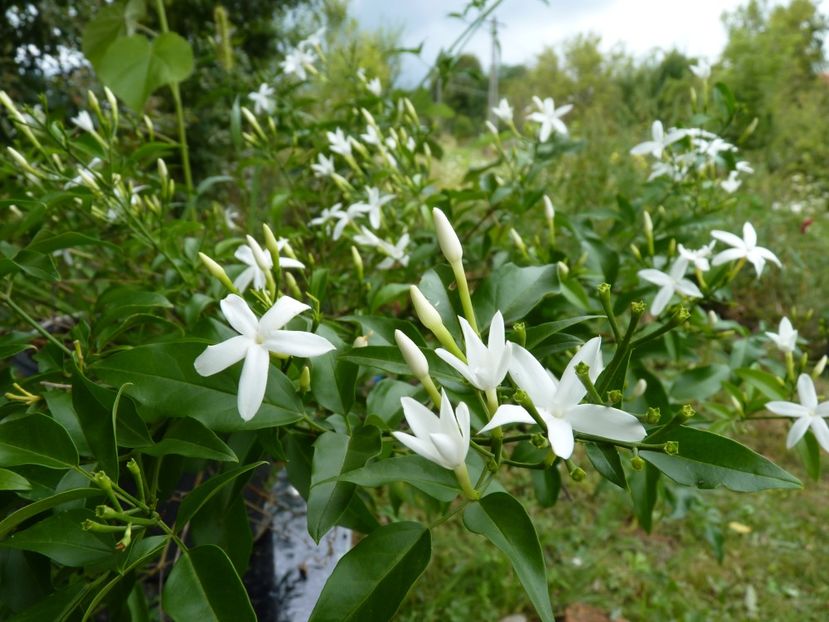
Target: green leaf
{"points": [[204, 586], [228, 526], [41, 505], [110, 23], [809, 451], [36, 439], [432, 479], [96, 422], [61, 538], [200, 495], [335, 454], [699, 383], [56, 607], [547, 485], [384, 401], [389, 360], [164, 381], [188, 437], [9, 480], [371, 580], [133, 67], [514, 290], [605, 458], [538, 334], [501, 519], [707, 460], [768, 384], [333, 379], [643, 493]]}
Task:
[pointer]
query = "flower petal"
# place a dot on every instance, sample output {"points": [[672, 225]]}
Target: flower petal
{"points": [[806, 391], [496, 341], [749, 235], [797, 431], [656, 277], [449, 449], [283, 311], [421, 420], [821, 432], [560, 434], [508, 413], [787, 409], [422, 448], [476, 351], [253, 381], [245, 277], [570, 389], [222, 355], [297, 343], [461, 367], [728, 238], [661, 300], [728, 255], [605, 422], [531, 377], [239, 316]]}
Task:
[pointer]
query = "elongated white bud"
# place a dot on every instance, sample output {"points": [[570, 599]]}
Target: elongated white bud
{"points": [[450, 245], [819, 367], [411, 353], [648, 225], [639, 388], [259, 254], [549, 210], [426, 313]]}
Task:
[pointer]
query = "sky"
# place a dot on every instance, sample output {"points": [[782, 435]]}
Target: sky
{"points": [[527, 26]]}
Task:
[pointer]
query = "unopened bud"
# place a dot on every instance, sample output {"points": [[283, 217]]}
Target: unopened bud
{"points": [[578, 474], [93, 103], [426, 313], [148, 123], [217, 271], [520, 331], [519, 243], [539, 440], [113, 105], [270, 241], [163, 174], [687, 412], [414, 358], [712, 318], [637, 463], [293, 286], [491, 127], [563, 270], [819, 367], [450, 245], [258, 254], [21, 160], [653, 415], [634, 250], [639, 388], [614, 396], [672, 448], [358, 263], [305, 379], [549, 210], [360, 342]]}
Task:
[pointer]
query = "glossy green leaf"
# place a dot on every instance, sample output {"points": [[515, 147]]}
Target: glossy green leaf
{"points": [[56, 607], [643, 492], [768, 384], [165, 383], [538, 334], [334, 455], [605, 459], [547, 485], [110, 23], [61, 538], [333, 378], [699, 383], [514, 290], [196, 498], [432, 479], [707, 460], [226, 525], [133, 67], [36, 439], [9, 480], [204, 586], [384, 400], [190, 438], [501, 519], [371, 580], [96, 422], [41, 505]]}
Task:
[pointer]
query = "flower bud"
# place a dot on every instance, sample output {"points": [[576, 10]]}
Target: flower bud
{"points": [[163, 174], [614, 396], [686, 412], [491, 127], [93, 103], [639, 388], [360, 342], [270, 241], [819, 367], [358, 263], [148, 123], [113, 104], [637, 463], [518, 241], [305, 379], [258, 254], [414, 358], [712, 318], [653, 415], [450, 245], [520, 331], [217, 271], [426, 313], [539, 440], [563, 270], [549, 210], [293, 286], [578, 474], [672, 448]]}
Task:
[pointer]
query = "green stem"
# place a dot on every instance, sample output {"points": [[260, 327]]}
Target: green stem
{"points": [[463, 291], [34, 324]]}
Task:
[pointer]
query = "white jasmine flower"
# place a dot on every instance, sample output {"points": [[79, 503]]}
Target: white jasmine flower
{"points": [[744, 167], [346, 218], [659, 140], [395, 253], [702, 69], [443, 440], [699, 257], [375, 87], [297, 61], [745, 248], [314, 40], [732, 184], [324, 167], [503, 111], [339, 142], [670, 283], [335, 212], [486, 365], [558, 401], [256, 340], [549, 117], [411, 144], [262, 99], [373, 205], [785, 338], [808, 413], [84, 121], [372, 136], [255, 272]]}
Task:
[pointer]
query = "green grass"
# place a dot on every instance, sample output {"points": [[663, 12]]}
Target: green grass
{"points": [[597, 555]]}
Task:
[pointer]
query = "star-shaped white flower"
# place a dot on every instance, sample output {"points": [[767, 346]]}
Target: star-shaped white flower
{"points": [[659, 140], [558, 402], [549, 117], [808, 413], [84, 121], [323, 167], [486, 365], [339, 142], [745, 248], [373, 205], [256, 339], [670, 283], [732, 183], [443, 440], [395, 253], [786, 336], [372, 136], [262, 99], [335, 212], [503, 110], [699, 257], [374, 87], [297, 61], [254, 272]]}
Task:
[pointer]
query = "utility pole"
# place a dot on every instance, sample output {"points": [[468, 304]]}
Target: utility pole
{"points": [[494, 66]]}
